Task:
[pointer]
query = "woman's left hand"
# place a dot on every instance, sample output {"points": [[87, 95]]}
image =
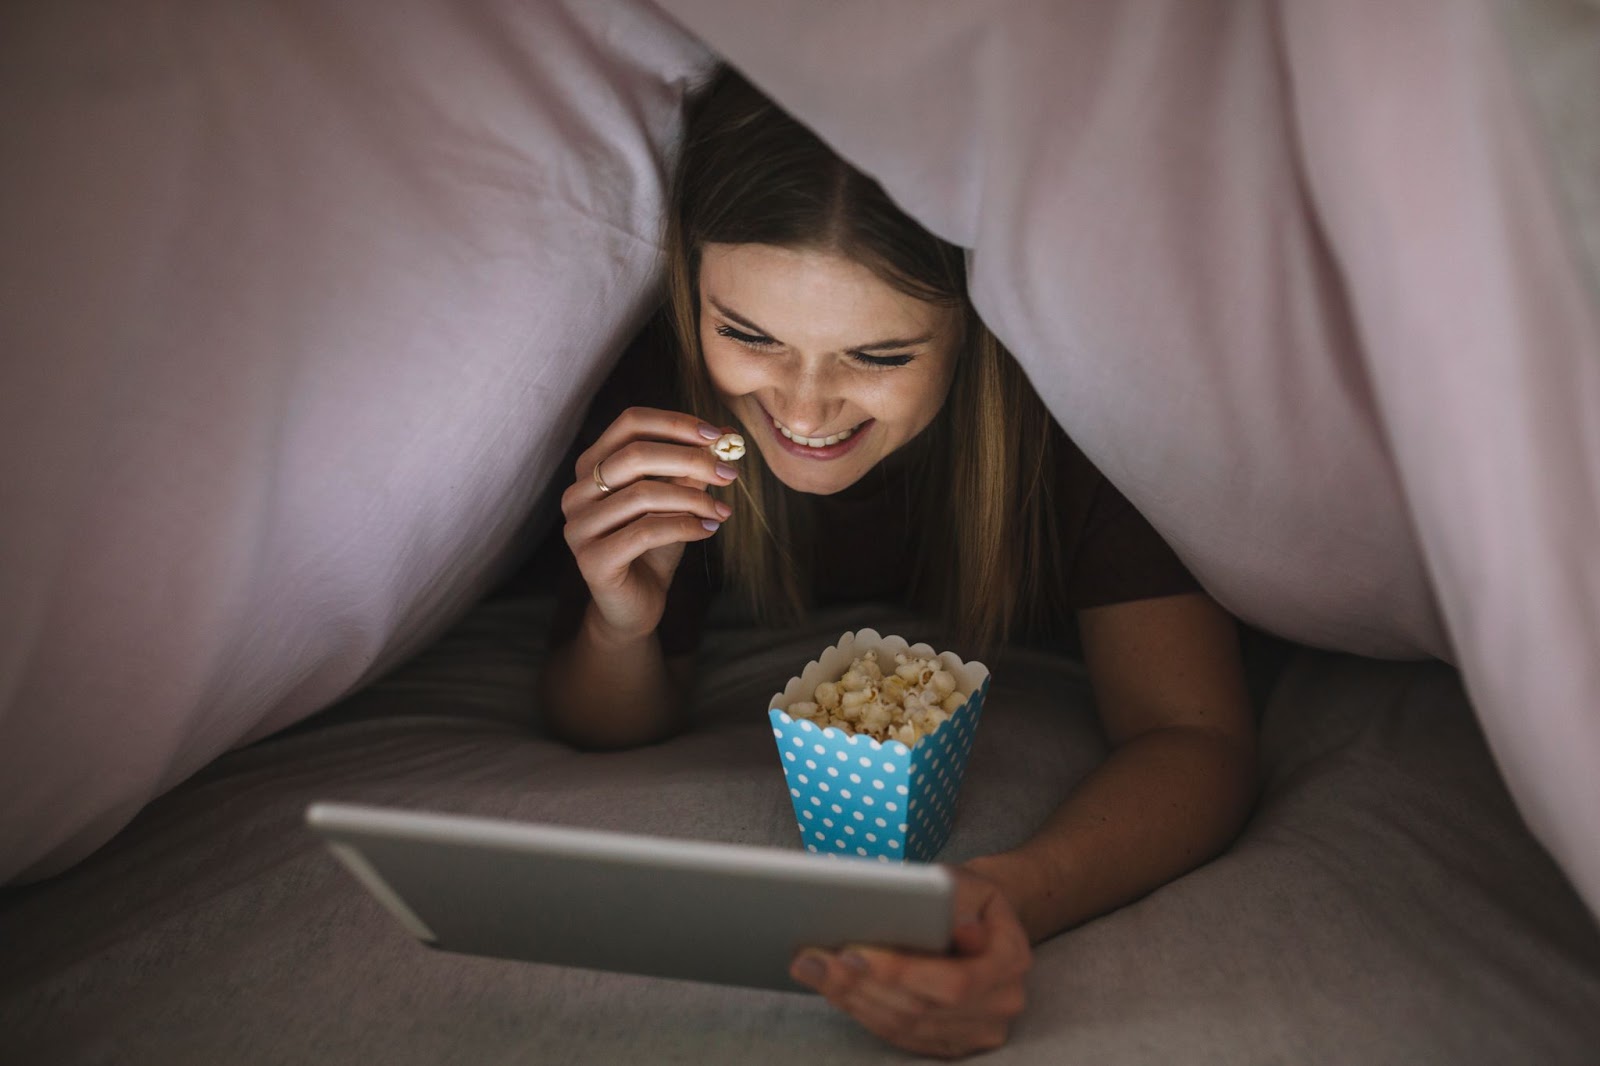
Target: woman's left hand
{"points": [[940, 1005]]}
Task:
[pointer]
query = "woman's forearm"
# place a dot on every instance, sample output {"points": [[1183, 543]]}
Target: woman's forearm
{"points": [[1160, 805], [607, 691]]}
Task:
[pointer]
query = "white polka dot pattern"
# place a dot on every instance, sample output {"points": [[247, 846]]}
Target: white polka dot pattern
{"points": [[865, 779]]}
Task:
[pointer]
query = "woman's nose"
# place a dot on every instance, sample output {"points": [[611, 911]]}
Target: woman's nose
{"points": [[808, 400]]}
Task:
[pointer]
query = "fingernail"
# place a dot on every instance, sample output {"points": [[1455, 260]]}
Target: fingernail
{"points": [[709, 525], [854, 961], [723, 509], [724, 470], [809, 968], [709, 432]]}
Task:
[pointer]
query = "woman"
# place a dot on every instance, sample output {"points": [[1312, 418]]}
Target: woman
{"points": [[898, 451]]}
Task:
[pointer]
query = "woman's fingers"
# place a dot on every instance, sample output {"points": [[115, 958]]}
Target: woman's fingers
{"points": [[878, 997], [638, 496], [605, 562], [993, 958], [639, 460], [989, 983], [653, 423], [980, 1020], [944, 1005], [685, 438], [605, 516]]}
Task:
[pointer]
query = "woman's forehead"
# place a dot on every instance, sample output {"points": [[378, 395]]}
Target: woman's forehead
{"points": [[818, 295]]}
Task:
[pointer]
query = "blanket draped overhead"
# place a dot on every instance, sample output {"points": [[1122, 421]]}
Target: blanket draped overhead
{"points": [[300, 309]]}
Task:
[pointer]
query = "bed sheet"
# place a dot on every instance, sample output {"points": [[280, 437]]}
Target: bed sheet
{"points": [[1385, 904]]}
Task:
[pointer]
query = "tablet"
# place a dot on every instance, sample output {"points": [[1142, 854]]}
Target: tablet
{"points": [[730, 914]]}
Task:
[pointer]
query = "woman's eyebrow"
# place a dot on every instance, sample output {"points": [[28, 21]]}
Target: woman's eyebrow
{"points": [[896, 343], [873, 347]]}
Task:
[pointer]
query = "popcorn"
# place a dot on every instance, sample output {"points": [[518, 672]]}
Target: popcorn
{"points": [[728, 447], [873, 737], [906, 705]]}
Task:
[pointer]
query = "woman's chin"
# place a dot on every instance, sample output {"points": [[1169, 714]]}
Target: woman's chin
{"points": [[814, 479]]}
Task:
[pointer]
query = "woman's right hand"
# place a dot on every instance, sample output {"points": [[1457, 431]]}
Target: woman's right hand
{"points": [[628, 541]]}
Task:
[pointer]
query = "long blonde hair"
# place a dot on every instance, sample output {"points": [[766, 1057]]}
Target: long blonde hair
{"points": [[749, 173]]}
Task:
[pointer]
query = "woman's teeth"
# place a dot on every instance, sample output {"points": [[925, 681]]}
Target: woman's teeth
{"points": [[812, 442]]}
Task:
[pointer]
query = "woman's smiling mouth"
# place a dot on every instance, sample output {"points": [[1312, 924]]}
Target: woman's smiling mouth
{"points": [[831, 446], [811, 442]]}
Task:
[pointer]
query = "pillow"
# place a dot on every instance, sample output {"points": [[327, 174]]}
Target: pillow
{"points": [[301, 306], [1306, 283]]}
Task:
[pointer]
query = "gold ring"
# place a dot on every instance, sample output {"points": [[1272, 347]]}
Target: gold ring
{"points": [[600, 482]]}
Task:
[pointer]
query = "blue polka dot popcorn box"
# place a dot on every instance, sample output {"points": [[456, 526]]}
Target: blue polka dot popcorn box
{"points": [[858, 797]]}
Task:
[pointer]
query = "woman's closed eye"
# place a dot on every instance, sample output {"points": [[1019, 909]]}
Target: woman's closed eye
{"points": [[758, 340], [754, 340], [881, 362]]}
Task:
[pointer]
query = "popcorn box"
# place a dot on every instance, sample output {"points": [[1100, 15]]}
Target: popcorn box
{"points": [[858, 797]]}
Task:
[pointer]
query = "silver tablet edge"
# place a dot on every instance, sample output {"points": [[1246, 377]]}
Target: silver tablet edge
{"points": [[364, 872], [609, 844]]}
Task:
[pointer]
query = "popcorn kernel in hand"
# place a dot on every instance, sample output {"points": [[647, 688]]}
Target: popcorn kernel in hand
{"points": [[728, 447]]}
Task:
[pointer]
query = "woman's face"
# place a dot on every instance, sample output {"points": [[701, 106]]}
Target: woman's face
{"points": [[829, 368]]}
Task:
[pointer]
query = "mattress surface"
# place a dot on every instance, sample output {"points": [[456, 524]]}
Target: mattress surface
{"points": [[1385, 904]]}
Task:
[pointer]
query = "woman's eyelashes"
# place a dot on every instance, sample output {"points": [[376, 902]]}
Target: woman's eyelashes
{"points": [[881, 361], [754, 340], [757, 340]]}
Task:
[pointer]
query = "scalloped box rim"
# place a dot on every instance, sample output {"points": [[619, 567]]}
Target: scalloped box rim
{"points": [[836, 658]]}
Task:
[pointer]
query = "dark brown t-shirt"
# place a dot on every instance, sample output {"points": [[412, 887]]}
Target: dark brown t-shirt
{"points": [[1108, 552]]}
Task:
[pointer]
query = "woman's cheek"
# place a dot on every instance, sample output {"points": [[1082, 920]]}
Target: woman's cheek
{"points": [[732, 377], [906, 398]]}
